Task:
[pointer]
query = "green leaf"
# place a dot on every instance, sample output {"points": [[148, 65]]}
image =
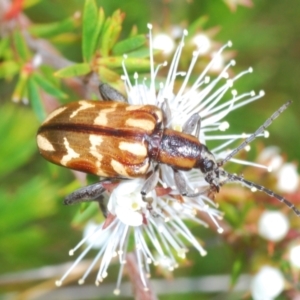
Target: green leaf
{"points": [[27, 198], [92, 24], [21, 46], [105, 40], [36, 100], [196, 25], [237, 269], [87, 212], [74, 70], [117, 19], [4, 46], [18, 128], [20, 87], [108, 75], [141, 53], [134, 64], [29, 3], [9, 68], [48, 86], [110, 62], [53, 29], [129, 45]]}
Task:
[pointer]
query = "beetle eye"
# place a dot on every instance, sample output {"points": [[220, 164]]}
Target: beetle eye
{"points": [[209, 165]]}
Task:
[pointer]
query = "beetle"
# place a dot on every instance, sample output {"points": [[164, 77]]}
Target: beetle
{"points": [[115, 140]]}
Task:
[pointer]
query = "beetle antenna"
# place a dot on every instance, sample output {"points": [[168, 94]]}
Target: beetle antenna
{"points": [[253, 186], [255, 134]]}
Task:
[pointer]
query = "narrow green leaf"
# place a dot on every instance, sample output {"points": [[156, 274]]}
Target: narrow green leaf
{"points": [[196, 25], [29, 3], [110, 61], [129, 45], [101, 23], [90, 30], [108, 75], [4, 46], [21, 46], [20, 87], [237, 269], [105, 39], [48, 86], [87, 212], [8, 69], [133, 31], [18, 128], [117, 19], [74, 70], [35, 100], [141, 53], [53, 29], [134, 64]]}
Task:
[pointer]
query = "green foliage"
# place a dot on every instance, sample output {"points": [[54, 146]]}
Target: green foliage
{"points": [[36, 99], [74, 70], [17, 141], [51, 30], [75, 39], [92, 24]]}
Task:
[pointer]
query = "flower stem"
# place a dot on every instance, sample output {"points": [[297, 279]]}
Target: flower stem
{"points": [[139, 290]]}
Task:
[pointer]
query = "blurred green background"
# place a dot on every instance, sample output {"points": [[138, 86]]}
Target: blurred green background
{"points": [[36, 228]]}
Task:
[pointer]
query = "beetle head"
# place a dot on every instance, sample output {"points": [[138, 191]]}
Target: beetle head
{"points": [[209, 167]]}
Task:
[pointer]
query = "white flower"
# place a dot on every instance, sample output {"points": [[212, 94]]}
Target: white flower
{"points": [[273, 225], [202, 42], [270, 156], [163, 42], [90, 237], [288, 178], [286, 173], [158, 226], [127, 204], [267, 284], [295, 256]]}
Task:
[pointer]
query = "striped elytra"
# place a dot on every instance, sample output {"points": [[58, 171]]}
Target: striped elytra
{"points": [[112, 139]]}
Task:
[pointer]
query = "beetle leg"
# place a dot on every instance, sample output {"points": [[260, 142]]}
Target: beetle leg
{"points": [[182, 185], [148, 186], [150, 182], [93, 192], [193, 122], [167, 112], [108, 93], [180, 182]]}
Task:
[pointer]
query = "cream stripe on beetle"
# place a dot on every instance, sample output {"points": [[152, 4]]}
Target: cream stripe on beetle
{"points": [[55, 113], [96, 141], [83, 105], [102, 116], [140, 123], [44, 143], [70, 153], [119, 168], [133, 107], [134, 148]]}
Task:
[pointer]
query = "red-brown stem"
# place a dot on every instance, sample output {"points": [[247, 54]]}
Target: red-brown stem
{"points": [[135, 278]]}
